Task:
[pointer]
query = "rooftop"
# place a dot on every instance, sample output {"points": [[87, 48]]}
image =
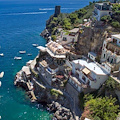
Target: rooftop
{"points": [[92, 53], [52, 66], [75, 30], [44, 63], [116, 36], [56, 50], [26, 69], [41, 48], [91, 66]]}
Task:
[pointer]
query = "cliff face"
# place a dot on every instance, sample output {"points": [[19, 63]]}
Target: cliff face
{"points": [[92, 39]]}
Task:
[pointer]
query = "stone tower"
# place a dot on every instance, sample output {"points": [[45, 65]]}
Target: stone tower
{"points": [[57, 11]]}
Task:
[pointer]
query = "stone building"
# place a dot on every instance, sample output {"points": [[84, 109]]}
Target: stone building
{"points": [[57, 11]]}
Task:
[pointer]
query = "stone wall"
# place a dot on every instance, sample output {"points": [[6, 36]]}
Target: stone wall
{"points": [[73, 93]]}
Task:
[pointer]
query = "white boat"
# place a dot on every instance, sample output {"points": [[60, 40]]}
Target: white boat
{"points": [[22, 52], [29, 54], [35, 45], [17, 58], [1, 54], [0, 83], [1, 74]]}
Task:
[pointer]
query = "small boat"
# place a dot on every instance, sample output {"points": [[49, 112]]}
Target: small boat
{"points": [[0, 83], [35, 45], [1, 74], [1, 54], [17, 58], [22, 52], [29, 54]]}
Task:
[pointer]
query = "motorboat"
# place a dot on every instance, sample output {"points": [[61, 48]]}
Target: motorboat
{"points": [[22, 52], [35, 45], [17, 58], [0, 83], [29, 54], [1, 74], [1, 54]]}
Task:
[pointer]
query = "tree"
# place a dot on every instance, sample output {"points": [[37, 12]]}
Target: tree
{"points": [[103, 108], [53, 37], [81, 12], [106, 18], [73, 17], [115, 24], [66, 23], [111, 84]]}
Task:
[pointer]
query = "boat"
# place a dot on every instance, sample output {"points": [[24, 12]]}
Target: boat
{"points": [[17, 58], [1, 54], [35, 45], [22, 52], [1, 74], [29, 54], [0, 83]]}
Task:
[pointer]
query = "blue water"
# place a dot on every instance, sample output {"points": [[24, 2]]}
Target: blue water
{"points": [[20, 25]]}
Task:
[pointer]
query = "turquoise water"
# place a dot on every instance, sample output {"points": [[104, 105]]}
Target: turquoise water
{"points": [[20, 25]]}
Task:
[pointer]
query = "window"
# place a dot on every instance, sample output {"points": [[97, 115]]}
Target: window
{"points": [[83, 77], [104, 55]]}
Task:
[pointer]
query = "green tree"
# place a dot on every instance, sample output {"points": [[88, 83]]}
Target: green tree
{"points": [[106, 18], [81, 12], [104, 108], [111, 84], [53, 37], [73, 17], [115, 24], [66, 23]]}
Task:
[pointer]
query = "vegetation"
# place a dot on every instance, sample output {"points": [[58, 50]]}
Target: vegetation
{"points": [[101, 108], [111, 84], [53, 37], [34, 73], [56, 92], [69, 21]]}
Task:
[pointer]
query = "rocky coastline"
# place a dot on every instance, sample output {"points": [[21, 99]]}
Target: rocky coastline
{"points": [[41, 93]]}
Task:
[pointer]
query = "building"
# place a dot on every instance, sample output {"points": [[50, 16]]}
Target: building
{"points": [[57, 11], [113, 1], [68, 37], [110, 57], [51, 62], [87, 75], [102, 9], [92, 56]]}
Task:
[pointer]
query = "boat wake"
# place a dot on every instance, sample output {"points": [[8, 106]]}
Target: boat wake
{"points": [[28, 13], [47, 9]]}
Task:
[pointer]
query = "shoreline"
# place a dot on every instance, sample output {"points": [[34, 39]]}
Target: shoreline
{"points": [[33, 89]]}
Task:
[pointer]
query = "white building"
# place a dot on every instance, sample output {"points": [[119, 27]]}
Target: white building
{"points": [[86, 75], [92, 56], [69, 36], [111, 52], [101, 9]]}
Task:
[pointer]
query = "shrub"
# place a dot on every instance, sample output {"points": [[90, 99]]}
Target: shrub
{"points": [[115, 24], [53, 37]]}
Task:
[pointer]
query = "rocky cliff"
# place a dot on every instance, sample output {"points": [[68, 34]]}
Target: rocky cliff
{"points": [[92, 39]]}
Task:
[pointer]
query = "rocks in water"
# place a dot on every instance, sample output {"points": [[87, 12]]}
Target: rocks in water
{"points": [[60, 113]]}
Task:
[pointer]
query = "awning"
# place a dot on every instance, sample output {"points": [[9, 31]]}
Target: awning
{"points": [[86, 71]]}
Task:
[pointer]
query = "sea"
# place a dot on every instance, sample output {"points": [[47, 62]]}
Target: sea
{"points": [[21, 22]]}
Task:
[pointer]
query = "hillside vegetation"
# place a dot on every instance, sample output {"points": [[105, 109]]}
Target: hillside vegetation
{"points": [[69, 21]]}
